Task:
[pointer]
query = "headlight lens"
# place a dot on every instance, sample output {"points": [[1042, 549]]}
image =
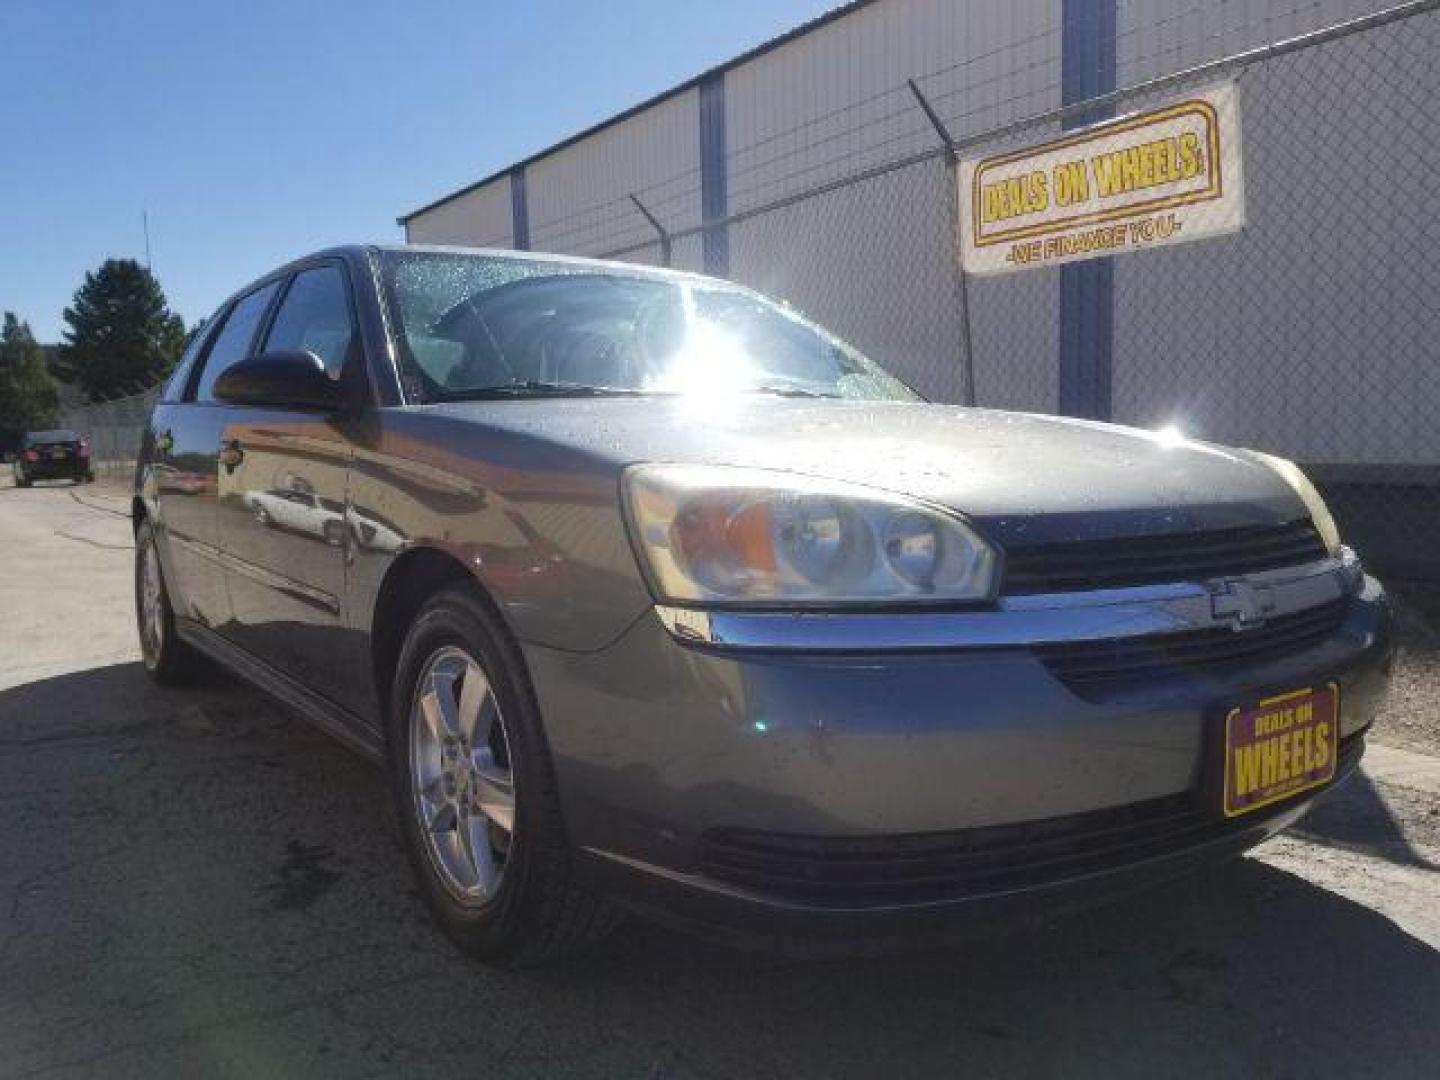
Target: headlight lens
{"points": [[724, 535], [1310, 496]]}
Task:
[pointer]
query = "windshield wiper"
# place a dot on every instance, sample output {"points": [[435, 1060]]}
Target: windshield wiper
{"points": [[537, 388], [787, 390]]}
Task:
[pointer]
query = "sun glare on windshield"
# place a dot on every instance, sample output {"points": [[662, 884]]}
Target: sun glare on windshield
{"points": [[477, 326]]}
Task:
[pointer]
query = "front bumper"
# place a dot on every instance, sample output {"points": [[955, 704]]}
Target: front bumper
{"points": [[701, 904], [662, 746]]}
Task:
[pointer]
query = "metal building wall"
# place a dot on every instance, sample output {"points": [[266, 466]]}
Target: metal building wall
{"points": [[875, 261], [834, 101], [1158, 37], [579, 195], [478, 218]]}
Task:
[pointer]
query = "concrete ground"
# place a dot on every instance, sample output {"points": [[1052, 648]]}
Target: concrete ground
{"points": [[194, 884]]}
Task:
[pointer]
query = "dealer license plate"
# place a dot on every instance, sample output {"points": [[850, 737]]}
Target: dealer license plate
{"points": [[1280, 747]]}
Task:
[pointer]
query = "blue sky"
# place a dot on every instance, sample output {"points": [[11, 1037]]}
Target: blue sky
{"points": [[255, 132]]}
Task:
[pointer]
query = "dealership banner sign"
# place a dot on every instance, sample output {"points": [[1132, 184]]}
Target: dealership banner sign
{"points": [[1163, 176]]}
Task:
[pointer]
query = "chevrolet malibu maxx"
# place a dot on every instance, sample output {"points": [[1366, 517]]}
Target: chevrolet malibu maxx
{"points": [[652, 595]]}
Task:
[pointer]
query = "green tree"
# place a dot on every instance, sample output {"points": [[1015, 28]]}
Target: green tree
{"points": [[122, 334], [28, 396]]}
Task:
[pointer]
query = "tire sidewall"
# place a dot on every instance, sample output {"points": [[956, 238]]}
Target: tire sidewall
{"points": [[158, 665], [497, 927]]}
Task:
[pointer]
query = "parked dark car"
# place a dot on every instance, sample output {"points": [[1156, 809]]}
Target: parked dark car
{"points": [[52, 455], [654, 596]]}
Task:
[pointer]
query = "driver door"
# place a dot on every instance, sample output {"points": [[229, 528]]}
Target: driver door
{"points": [[282, 517], [186, 467]]}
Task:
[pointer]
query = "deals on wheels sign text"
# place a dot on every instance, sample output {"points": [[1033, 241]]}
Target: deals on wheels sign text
{"points": [[1156, 177]]}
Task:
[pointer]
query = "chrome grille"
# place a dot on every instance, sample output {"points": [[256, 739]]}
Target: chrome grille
{"points": [[1090, 666], [1150, 560]]}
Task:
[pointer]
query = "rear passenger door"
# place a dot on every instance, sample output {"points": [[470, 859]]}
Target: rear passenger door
{"points": [[282, 502], [186, 465]]}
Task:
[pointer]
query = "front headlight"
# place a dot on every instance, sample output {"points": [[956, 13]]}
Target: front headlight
{"points": [[1310, 496], [736, 536]]}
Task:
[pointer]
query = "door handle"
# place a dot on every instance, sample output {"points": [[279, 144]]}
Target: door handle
{"points": [[230, 454]]}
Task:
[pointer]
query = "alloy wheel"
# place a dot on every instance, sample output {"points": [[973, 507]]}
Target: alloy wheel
{"points": [[461, 777]]}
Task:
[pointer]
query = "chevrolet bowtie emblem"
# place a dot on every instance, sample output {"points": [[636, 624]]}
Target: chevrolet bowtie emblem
{"points": [[1240, 603]]}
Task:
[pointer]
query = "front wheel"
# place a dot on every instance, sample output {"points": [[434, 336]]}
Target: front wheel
{"points": [[168, 659], [476, 793]]}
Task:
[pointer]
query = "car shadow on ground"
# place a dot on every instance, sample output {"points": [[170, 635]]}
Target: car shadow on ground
{"points": [[1358, 819], [192, 883]]}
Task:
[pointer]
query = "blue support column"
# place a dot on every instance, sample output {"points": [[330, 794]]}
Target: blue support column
{"points": [[519, 211], [714, 196], [1087, 289]]}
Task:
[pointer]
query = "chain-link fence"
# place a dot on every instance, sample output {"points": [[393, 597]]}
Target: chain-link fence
{"points": [[114, 429], [1311, 333]]}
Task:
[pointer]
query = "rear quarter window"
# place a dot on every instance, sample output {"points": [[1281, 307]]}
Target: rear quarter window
{"points": [[234, 339], [180, 377]]}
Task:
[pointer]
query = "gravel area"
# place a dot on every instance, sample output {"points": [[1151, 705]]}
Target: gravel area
{"points": [[1412, 718]]}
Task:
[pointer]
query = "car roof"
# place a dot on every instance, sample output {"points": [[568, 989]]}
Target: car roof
{"points": [[359, 254], [53, 435], [637, 269]]}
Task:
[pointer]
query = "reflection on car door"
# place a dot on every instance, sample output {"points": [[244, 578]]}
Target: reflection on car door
{"points": [[282, 506], [187, 434], [187, 441]]}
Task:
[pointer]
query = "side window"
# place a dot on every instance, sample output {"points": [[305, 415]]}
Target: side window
{"points": [[315, 315], [180, 377], [232, 343]]}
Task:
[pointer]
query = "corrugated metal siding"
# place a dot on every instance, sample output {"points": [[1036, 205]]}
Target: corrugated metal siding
{"points": [[875, 261], [479, 218], [579, 196], [835, 101], [1158, 37]]}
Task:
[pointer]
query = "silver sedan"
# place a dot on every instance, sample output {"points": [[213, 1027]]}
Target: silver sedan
{"points": [[654, 596]]}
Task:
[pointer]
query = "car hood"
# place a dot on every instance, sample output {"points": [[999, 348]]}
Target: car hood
{"points": [[1027, 477]]}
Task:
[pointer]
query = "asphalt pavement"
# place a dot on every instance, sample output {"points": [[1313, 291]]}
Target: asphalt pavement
{"points": [[192, 883]]}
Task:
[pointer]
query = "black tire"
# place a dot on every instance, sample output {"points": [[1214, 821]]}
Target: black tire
{"points": [[537, 912], [169, 662]]}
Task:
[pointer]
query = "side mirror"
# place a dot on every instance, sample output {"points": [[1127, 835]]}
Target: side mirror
{"points": [[284, 379]]}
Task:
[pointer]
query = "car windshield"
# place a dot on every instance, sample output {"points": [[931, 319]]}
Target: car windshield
{"points": [[41, 437], [478, 326]]}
